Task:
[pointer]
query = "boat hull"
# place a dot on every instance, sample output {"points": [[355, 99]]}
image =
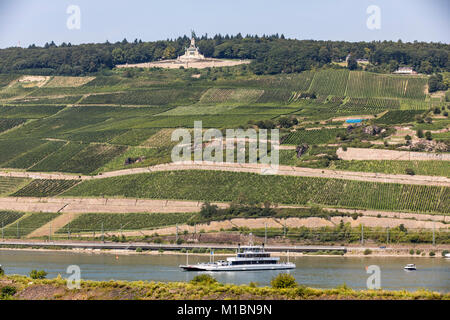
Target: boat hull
{"points": [[216, 268]]}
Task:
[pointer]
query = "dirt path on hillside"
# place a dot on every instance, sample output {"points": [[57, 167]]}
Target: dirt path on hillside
{"points": [[252, 168], [381, 154]]}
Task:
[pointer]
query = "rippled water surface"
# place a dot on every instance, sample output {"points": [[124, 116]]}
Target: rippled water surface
{"points": [[320, 272]]}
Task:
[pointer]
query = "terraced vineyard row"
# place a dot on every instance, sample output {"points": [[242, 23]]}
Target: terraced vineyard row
{"points": [[213, 96], [90, 222], [427, 168], [11, 184], [364, 84], [28, 224], [7, 217], [16, 147], [45, 188], [91, 158], [28, 112], [148, 97], [229, 186], [33, 156], [315, 136], [6, 124], [399, 116], [279, 95], [330, 82]]}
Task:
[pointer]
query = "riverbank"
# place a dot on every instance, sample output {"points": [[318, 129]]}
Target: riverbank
{"points": [[56, 289], [398, 250]]}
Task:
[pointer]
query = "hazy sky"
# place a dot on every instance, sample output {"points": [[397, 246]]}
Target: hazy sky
{"points": [[40, 21]]}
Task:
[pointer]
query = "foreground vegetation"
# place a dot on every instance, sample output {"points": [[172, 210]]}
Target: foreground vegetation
{"points": [[201, 288]]}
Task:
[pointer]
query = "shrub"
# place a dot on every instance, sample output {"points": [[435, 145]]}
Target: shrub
{"points": [[411, 251], [367, 252], [35, 274], [283, 280], [432, 253], [418, 252], [138, 249], [203, 279], [2, 272], [179, 241], [157, 240], [410, 171], [8, 291], [302, 291]]}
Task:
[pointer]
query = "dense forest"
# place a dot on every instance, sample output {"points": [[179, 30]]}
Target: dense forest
{"points": [[271, 54]]}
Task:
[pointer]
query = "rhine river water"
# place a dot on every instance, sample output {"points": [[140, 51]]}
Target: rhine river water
{"points": [[312, 271]]}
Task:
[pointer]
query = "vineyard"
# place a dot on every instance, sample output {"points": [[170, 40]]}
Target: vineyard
{"points": [[212, 96], [16, 147], [57, 159], [364, 84], [6, 124], [27, 224], [28, 112], [427, 168], [330, 82], [399, 116], [33, 156], [7, 217], [91, 158], [134, 137], [11, 184], [147, 156], [93, 222], [148, 97], [228, 186], [315, 136], [279, 95], [45, 188]]}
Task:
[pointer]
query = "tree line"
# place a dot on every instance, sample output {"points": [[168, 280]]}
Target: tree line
{"points": [[272, 54]]}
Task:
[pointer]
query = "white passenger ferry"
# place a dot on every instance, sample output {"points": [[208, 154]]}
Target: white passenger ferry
{"points": [[248, 258]]}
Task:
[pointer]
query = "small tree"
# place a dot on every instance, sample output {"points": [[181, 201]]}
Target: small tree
{"points": [[283, 280], [428, 135], [208, 210], [352, 64], [2, 272], [7, 291], [420, 133]]}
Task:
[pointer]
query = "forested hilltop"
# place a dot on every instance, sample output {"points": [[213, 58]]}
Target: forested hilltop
{"points": [[271, 54]]}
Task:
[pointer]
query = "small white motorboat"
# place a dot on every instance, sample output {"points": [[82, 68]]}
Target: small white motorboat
{"points": [[447, 255], [410, 266]]}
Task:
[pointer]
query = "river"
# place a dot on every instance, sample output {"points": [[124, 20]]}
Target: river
{"points": [[311, 271]]}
